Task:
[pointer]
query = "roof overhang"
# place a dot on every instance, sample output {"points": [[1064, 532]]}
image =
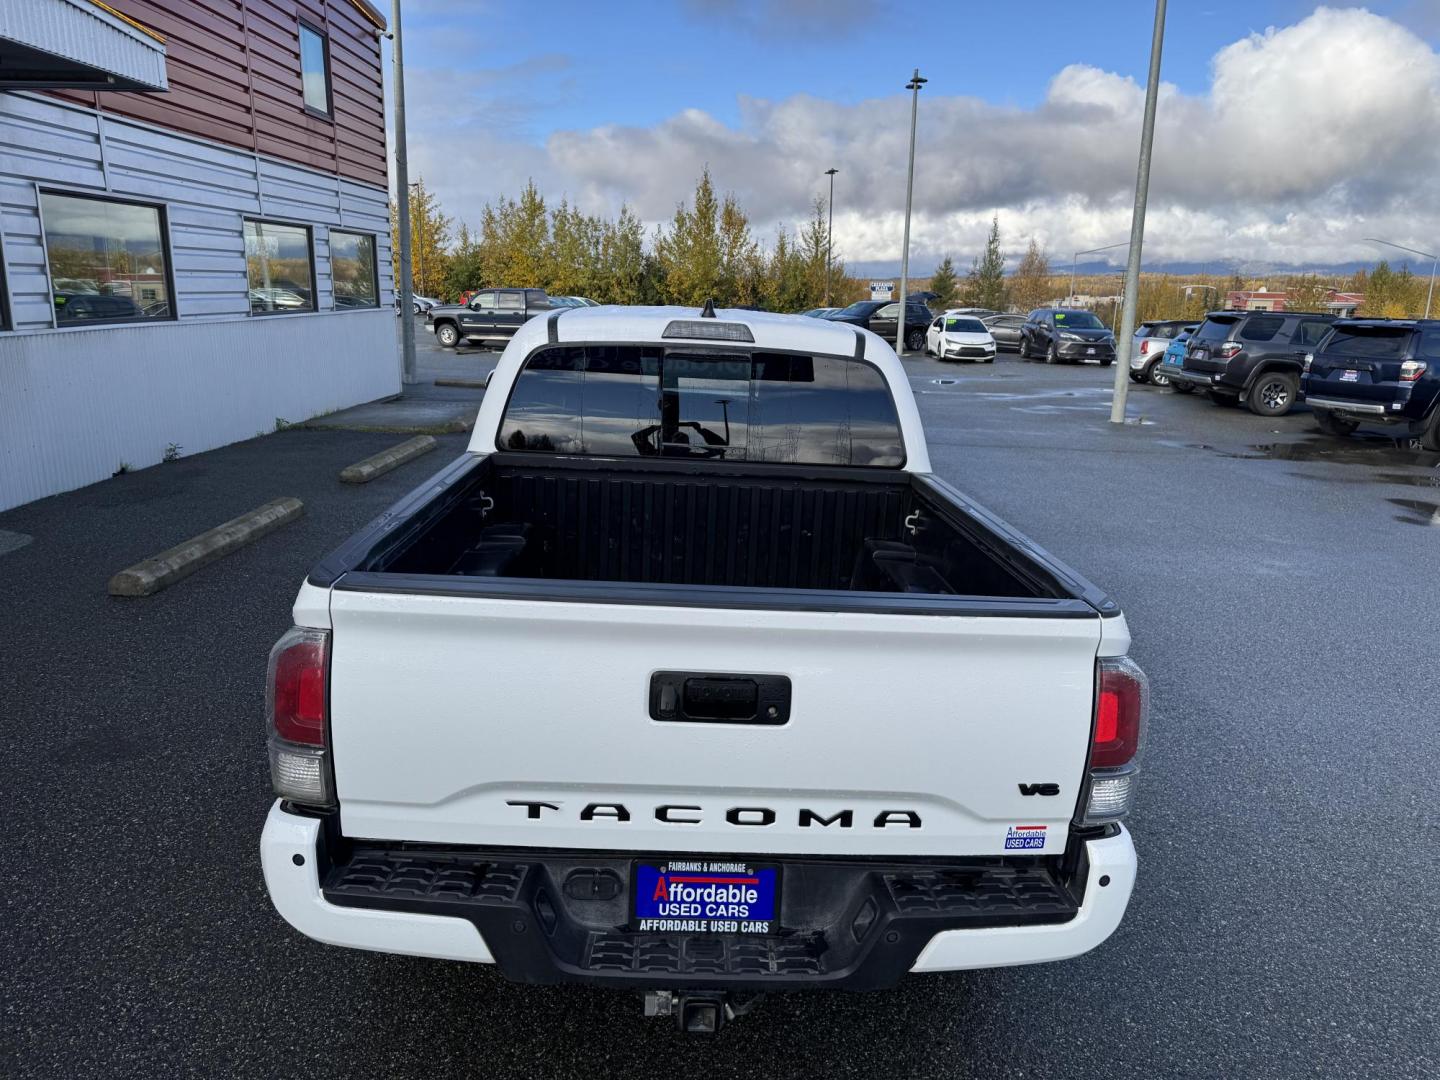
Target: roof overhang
{"points": [[77, 45]]}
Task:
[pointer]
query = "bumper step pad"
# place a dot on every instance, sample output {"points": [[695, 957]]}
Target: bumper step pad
{"points": [[852, 924]]}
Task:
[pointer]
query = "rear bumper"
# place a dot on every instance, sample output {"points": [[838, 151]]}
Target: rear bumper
{"points": [[1195, 378], [848, 924], [1370, 412]]}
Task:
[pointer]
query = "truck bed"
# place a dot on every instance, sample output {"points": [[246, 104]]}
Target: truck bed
{"points": [[592, 529]]}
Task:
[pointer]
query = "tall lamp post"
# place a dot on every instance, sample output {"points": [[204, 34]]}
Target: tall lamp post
{"points": [[420, 255], [1088, 251], [829, 232], [1434, 260], [914, 85], [1137, 224], [402, 206]]}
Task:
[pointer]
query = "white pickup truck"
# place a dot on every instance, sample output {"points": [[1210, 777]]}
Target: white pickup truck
{"points": [[690, 677]]}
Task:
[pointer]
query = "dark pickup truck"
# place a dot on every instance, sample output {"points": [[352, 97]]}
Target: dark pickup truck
{"points": [[491, 316], [1252, 358], [1377, 371]]}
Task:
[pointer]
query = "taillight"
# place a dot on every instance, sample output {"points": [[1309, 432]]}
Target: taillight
{"points": [[1229, 349], [1144, 346], [1411, 370], [1121, 702], [297, 714]]}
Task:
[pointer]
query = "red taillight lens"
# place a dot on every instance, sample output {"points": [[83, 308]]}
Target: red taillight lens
{"points": [[1229, 349], [299, 665], [1119, 713], [1144, 347], [1411, 370]]}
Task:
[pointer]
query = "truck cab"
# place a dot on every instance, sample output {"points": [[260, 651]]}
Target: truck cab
{"points": [[691, 678]]}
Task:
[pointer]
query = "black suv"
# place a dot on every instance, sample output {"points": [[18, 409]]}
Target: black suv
{"points": [[1066, 335], [883, 317], [1252, 357], [1377, 371], [491, 317]]}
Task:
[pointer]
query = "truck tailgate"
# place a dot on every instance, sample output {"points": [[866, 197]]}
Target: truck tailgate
{"points": [[481, 721]]}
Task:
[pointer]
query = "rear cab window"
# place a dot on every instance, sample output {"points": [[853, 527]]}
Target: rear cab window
{"points": [[1371, 342], [696, 402], [1213, 329]]}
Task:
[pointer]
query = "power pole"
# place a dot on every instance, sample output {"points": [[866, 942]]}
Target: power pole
{"points": [[402, 207], [916, 81], [1124, 343]]}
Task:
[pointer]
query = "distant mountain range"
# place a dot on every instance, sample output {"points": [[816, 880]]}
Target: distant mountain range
{"points": [[1249, 270]]}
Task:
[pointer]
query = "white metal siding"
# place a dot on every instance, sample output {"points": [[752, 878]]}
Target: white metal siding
{"points": [[82, 32], [75, 404]]}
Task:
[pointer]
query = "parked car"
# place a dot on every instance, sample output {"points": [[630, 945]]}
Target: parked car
{"points": [[567, 302], [1173, 360], [709, 800], [959, 337], [1379, 372], [1005, 329], [1148, 348], [820, 312], [981, 313], [883, 317], [492, 316], [278, 299], [1066, 335], [1253, 358], [94, 307]]}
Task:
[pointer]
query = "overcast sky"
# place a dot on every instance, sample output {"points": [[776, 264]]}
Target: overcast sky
{"points": [[1286, 132]]}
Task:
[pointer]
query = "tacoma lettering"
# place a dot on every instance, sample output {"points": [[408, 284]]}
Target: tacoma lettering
{"points": [[745, 817]]}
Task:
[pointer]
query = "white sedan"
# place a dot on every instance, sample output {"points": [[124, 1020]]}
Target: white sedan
{"points": [[959, 337]]}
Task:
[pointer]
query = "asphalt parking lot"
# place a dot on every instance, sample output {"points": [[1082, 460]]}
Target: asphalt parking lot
{"points": [[1277, 584]]}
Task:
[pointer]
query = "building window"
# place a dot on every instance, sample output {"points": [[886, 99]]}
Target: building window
{"points": [[107, 259], [278, 268], [352, 269], [315, 69]]}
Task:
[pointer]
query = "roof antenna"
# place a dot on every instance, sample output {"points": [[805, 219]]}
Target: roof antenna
{"points": [[708, 311]]}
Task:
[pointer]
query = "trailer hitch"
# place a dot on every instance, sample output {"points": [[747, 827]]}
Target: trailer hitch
{"points": [[698, 1013]]}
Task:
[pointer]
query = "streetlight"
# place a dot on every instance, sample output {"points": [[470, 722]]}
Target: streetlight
{"points": [[1126, 337], [829, 231], [402, 209], [1088, 251], [1434, 259], [914, 85]]}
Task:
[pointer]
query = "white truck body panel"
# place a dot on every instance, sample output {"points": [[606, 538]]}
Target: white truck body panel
{"points": [[505, 701]]}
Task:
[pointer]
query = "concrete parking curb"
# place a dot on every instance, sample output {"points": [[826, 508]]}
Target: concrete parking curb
{"points": [[182, 560], [467, 384], [362, 472]]}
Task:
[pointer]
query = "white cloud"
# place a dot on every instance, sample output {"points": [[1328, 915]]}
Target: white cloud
{"points": [[1311, 137]]}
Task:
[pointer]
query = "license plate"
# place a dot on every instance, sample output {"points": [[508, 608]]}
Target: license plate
{"points": [[1089, 352], [706, 896], [1349, 376]]}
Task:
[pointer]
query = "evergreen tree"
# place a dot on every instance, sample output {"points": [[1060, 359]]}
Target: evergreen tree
{"points": [[944, 284], [689, 254], [813, 246], [738, 283], [621, 274], [466, 266], [985, 284]]}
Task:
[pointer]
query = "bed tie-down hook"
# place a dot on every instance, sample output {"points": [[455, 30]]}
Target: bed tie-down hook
{"points": [[915, 522], [486, 504]]}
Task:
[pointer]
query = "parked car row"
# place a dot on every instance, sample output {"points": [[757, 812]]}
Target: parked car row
{"points": [[1351, 372]]}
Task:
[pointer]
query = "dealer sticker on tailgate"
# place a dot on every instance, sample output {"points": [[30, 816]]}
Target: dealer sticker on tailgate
{"points": [[702, 896]]}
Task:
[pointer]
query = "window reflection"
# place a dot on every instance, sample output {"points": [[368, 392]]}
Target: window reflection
{"points": [[628, 401], [352, 267], [277, 264], [107, 259]]}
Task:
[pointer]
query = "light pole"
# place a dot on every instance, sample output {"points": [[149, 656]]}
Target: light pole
{"points": [[829, 232], [1125, 341], [420, 269], [1434, 260], [914, 85], [1088, 251], [402, 207]]}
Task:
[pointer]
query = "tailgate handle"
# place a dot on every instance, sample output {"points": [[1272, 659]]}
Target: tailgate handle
{"points": [[709, 698]]}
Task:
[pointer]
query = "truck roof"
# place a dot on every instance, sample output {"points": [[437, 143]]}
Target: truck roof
{"points": [[612, 324]]}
